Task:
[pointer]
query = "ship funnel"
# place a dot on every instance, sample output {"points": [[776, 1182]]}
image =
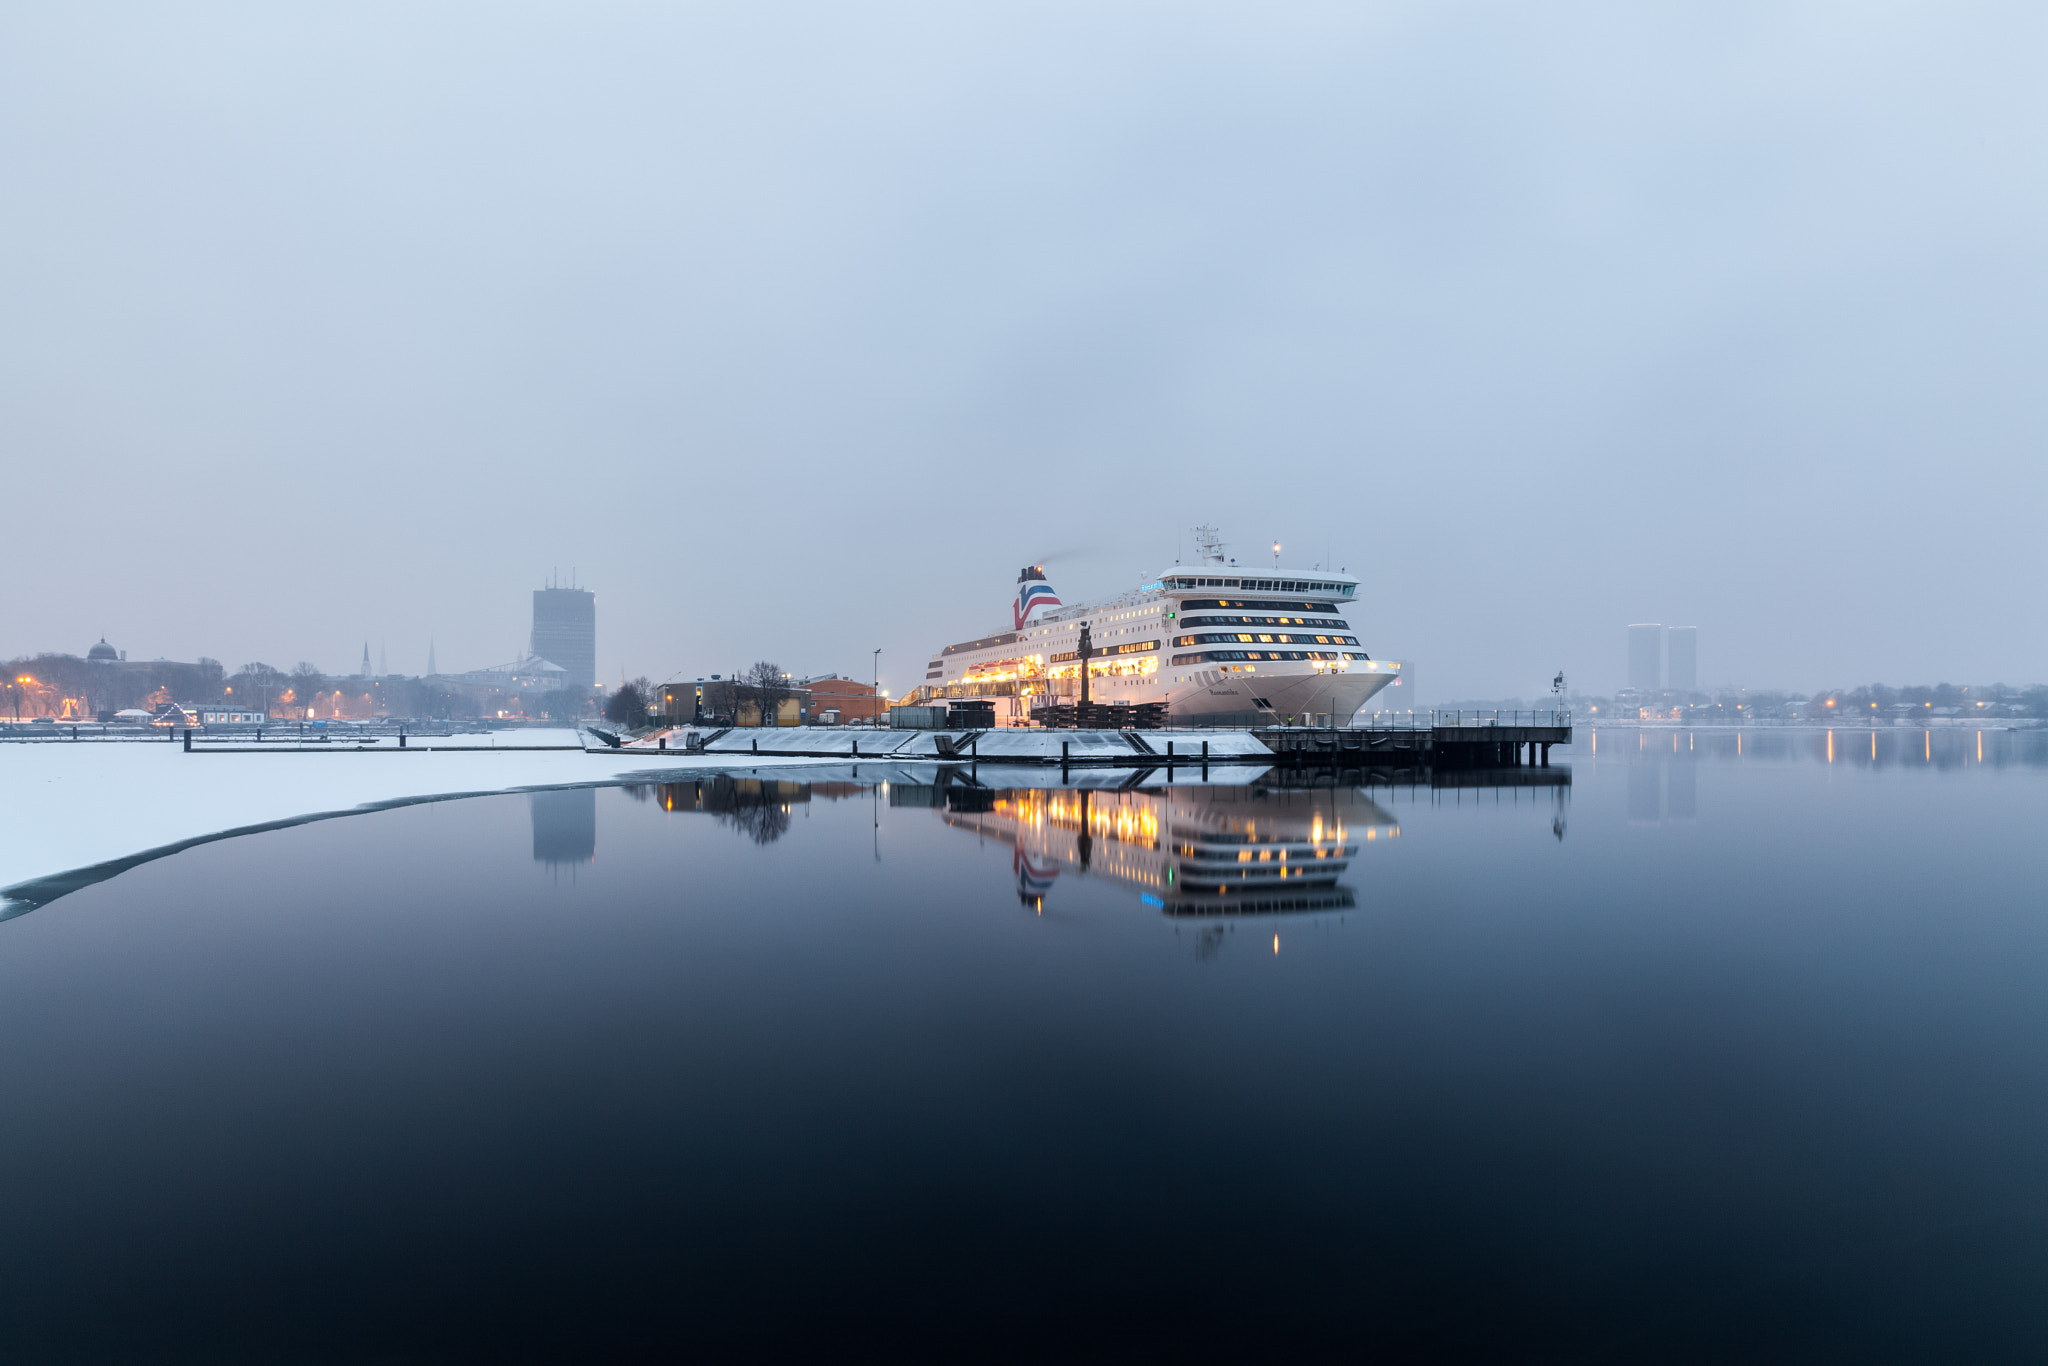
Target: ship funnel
{"points": [[1033, 594]]}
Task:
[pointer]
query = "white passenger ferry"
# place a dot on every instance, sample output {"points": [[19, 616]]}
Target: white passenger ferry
{"points": [[1217, 642]]}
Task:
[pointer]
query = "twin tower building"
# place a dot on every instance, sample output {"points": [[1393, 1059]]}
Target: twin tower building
{"points": [[1648, 669]]}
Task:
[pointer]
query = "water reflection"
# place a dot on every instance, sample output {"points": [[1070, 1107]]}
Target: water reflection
{"points": [[1944, 749], [1189, 851], [1663, 778], [368, 1079], [1253, 842], [758, 808], [564, 826], [1682, 784]]}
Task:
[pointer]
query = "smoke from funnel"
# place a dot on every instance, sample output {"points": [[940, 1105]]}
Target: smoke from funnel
{"points": [[1070, 553]]}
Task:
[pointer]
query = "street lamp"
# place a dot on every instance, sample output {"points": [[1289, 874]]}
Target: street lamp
{"points": [[876, 685]]}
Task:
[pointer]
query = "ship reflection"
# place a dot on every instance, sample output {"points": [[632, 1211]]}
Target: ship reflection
{"points": [[1218, 850], [1188, 851]]}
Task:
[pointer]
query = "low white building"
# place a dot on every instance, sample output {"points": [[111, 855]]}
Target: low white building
{"points": [[532, 672]]}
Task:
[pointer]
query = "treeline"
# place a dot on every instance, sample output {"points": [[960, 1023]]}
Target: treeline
{"points": [[1942, 698], [1874, 701], [66, 686]]}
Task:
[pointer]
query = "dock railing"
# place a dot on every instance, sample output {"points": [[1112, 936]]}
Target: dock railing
{"points": [[1533, 717], [1402, 720]]}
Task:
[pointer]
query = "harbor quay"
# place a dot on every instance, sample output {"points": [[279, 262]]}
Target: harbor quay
{"points": [[1500, 740]]}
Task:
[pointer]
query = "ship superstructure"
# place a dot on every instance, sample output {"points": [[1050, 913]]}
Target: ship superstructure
{"points": [[1218, 643]]}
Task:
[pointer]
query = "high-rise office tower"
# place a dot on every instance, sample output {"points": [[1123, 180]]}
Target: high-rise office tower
{"points": [[565, 632], [1682, 668], [1646, 657]]}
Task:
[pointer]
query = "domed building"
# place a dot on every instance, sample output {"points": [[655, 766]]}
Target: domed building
{"points": [[103, 653]]}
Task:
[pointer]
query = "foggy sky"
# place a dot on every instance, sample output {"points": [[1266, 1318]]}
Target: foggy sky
{"points": [[796, 330]]}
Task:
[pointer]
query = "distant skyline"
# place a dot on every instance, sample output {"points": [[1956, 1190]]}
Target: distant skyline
{"points": [[798, 329]]}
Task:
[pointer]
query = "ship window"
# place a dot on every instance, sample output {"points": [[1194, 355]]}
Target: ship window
{"points": [[1198, 604]]}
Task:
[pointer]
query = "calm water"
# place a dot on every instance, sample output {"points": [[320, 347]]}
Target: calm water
{"points": [[1707, 1056]]}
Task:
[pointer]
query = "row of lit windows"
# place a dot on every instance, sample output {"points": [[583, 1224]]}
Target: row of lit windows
{"points": [[1265, 621], [982, 644], [1269, 654], [1133, 648], [1246, 638], [1264, 585]]}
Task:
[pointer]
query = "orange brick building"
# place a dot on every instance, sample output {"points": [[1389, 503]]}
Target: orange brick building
{"points": [[856, 702]]}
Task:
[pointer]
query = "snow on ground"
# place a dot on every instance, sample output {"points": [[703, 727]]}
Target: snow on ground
{"points": [[65, 807], [68, 811]]}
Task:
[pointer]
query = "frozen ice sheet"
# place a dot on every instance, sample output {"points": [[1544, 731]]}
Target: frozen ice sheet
{"points": [[69, 808]]}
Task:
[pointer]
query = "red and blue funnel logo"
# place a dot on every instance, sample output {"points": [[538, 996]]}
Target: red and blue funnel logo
{"points": [[1033, 594]]}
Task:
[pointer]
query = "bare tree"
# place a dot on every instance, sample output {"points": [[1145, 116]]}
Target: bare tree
{"points": [[306, 682], [565, 704], [722, 701], [254, 685], [770, 686], [627, 706]]}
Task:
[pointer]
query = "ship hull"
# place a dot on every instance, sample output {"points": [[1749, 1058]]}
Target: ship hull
{"points": [[1274, 694], [1330, 698]]}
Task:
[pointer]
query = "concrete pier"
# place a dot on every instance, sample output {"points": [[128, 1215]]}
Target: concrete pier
{"points": [[1430, 740], [1442, 740]]}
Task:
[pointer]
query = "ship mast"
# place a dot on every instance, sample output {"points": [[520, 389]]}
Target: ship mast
{"points": [[1209, 544]]}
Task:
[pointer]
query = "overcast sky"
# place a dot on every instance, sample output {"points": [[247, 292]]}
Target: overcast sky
{"points": [[796, 330]]}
